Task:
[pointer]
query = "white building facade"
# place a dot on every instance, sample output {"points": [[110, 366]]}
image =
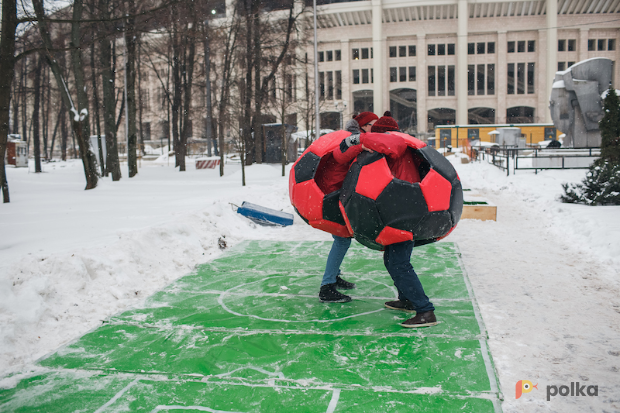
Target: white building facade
{"points": [[457, 61]]}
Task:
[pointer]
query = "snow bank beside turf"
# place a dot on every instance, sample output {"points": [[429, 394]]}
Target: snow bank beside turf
{"points": [[70, 258], [593, 230]]}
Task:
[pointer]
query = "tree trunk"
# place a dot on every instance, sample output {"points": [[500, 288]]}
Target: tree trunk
{"points": [[63, 131], [188, 78], [96, 110], [54, 135], [258, 98], [247, 106], [130, 90], [112, 165], [7, 67], [36, 140], [80, 117]]}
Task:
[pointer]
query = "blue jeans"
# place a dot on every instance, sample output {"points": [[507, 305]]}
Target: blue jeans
{"points": [[334, 259], [397, 260]]}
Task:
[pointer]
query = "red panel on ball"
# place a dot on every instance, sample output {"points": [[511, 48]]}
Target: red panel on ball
{"points": [[291, 185], [331, 227], [436, 190], [327, 143], [411, 141], [309, 200], [373, 179], [391, 235], [346, 218]]}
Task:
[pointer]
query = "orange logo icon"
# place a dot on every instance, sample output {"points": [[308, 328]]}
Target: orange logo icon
{"points": [[524, 386]]}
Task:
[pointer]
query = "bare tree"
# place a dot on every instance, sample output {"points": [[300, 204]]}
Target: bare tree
{"points": [[80, 122]]}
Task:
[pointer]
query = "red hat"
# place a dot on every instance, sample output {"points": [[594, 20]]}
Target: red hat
{"points": [[365, 118], [385, 123]]}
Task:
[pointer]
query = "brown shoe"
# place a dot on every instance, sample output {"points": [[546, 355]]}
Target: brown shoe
{"points": [[426, 319], [402, 305]]}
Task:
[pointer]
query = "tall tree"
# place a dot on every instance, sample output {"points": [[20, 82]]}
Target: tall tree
{"points": [[80, 122], [35, 116], [7, 67], [131, 38]]}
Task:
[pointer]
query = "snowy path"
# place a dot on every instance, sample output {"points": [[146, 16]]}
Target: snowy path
{"points": [[551, 309]]}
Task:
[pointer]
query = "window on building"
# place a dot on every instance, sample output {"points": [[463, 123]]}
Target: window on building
{"points": [[471, 80], [431, 80], [330, 55], [412, 74], [365, 54], [561, 45], [491, 47], [520, 78], [290, 88], [451, 49], [412, 50], [530, 78], [321, 56], [441, 50], [569, 64], [480, 48], [365, 78], [372, 74], [490, 79], [371, 54], [511, 47], [431, 50], [441, 81], [355, 54], [531, 46], [572, 45], [330, 85], [402, 51], [338, 85], [451, 84], [561, 66], [611, 44], [338, 55], [480, 80], [521, 46], [601, 44], [393, 75], [322, 85], [510, 76], [356, 76], [402, 74], [591, 45], [471, 48], [392, 51]]}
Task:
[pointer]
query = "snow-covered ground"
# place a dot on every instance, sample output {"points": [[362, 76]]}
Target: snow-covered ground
{"points": [[545, 274]]}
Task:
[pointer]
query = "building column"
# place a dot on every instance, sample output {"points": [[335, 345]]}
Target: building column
{"points": [[461, 63], [552, 50], [347, 78], [501, 87], [379, 57], [543, 112], [584, 35], [422, 82]]}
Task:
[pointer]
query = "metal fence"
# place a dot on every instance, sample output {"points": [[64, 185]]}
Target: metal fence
{"points": [[538, 158]]}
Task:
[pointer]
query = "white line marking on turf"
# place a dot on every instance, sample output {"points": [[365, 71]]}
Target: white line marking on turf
{"points": [[117, 396], [333, 402], [199, 408]]}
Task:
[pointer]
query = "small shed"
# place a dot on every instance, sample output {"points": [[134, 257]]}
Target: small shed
{"points": [[17, 152]]}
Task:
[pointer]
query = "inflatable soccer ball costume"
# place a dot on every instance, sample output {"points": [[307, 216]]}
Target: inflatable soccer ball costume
{"points": [[372, 205]]}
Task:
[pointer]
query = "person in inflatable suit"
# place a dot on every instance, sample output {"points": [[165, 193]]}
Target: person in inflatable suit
{"points": [[344, 156], [397, 257]]}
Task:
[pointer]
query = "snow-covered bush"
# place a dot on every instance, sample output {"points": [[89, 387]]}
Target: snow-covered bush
{"points": [[602, 183]]}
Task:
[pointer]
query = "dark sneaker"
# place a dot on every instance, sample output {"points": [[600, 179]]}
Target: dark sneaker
{"points": [[402, 305], [329, 294], [426, 319], [345, 285]]}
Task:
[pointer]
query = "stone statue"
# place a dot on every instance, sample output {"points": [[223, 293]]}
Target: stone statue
{"points": [[575, 103]]}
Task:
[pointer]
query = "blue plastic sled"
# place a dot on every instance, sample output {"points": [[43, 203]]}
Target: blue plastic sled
{"points": [[265, 216]]}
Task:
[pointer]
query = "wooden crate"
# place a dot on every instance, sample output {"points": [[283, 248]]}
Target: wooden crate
{"points": [[479, 210]]}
